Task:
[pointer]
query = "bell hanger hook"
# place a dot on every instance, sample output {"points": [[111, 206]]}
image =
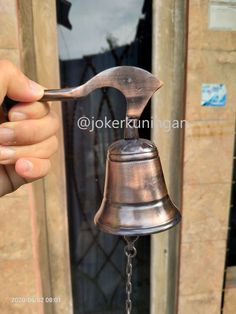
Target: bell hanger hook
{"points": [[136, 84]]}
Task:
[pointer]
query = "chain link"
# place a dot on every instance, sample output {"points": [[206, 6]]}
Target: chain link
{"points": [[130, 252]]}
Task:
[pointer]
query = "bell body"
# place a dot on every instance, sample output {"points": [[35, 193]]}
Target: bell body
{"points": [[135, 200]]}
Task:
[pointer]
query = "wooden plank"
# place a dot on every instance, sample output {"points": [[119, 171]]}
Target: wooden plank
{"points": [[169, 46], [28, 60], [40, 62]]}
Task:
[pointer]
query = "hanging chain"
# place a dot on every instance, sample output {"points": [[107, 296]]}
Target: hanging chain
{"points": [[130, 252]]}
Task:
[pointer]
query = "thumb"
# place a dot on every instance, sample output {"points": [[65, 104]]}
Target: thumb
{"points": [[16, 85]]}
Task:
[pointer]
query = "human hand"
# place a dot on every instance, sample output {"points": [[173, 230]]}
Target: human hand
{"points": [[28, 140]]}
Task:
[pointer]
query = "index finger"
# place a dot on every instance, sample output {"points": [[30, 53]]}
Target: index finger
{"points": [[16, 85]]}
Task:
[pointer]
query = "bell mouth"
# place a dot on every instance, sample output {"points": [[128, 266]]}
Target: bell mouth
{"points": [[137, 219]]}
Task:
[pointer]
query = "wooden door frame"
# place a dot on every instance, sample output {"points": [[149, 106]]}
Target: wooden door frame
{"points": [[169, 65], [39, 58]]}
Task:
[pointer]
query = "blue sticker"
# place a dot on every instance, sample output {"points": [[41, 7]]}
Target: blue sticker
{"points": [[214, 95]]}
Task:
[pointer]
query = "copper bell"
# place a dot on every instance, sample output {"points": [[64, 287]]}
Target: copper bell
{"points": [[135, 200]]}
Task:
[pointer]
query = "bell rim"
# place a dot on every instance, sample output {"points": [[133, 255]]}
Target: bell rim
{"points": [[140, 231]]}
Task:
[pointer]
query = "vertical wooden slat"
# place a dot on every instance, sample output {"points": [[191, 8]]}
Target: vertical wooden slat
{"points": [[37, 20], [28, 57], [169, 46]]}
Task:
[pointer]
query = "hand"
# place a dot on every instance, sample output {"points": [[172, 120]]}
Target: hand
{"points": [[28, 140]]}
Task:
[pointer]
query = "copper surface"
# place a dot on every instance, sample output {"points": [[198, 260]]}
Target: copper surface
{"points": [[135, 199], [137, 85]]}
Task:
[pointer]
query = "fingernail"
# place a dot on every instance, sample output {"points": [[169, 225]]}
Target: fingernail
{"points": [[6, 153], [35, 87], [26, 165], [6, 135], [18, 116]]}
